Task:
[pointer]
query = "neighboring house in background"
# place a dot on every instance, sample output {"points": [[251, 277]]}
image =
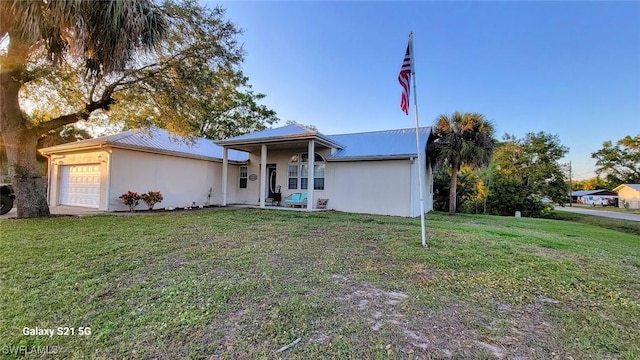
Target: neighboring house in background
{"points": [[629, 196], [373, 172], [593, 197]]}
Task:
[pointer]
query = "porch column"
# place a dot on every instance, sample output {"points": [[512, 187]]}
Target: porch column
{"points": [[225, 169], [263, 175], [310, 173]]}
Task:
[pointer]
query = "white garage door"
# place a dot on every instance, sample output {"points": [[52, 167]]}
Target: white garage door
{"points": [[80, 185]]}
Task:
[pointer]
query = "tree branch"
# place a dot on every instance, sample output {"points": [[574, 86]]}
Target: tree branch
{"points": [[63, 120]]}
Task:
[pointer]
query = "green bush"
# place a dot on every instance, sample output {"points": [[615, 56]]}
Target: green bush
{"points": [[506, 196]]}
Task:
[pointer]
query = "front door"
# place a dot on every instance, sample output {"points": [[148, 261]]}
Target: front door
{"points": [[271, 183]]}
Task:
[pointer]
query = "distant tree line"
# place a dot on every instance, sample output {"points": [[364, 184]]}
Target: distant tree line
{"points": [[521, 175], [475, 173]]}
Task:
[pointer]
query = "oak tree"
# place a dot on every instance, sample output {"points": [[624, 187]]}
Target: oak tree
{"points": [[619, 163], [130, 63]]}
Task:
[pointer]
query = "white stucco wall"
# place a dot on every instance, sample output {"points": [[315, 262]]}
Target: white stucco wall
{"points": [[427, 189], [388, 187], [372, 187], [630, 196], [182, 181], [251, 193]]}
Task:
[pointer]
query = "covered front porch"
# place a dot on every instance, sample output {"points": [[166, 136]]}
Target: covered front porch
{"points": [[280, 171]]}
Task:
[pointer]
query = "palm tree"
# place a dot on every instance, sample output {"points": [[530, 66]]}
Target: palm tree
{"points": [[103, 36], [461, 139]]}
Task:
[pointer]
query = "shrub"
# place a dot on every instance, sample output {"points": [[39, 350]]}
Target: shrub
{"points": [[130, 198], [507, 195], [151, 198]]}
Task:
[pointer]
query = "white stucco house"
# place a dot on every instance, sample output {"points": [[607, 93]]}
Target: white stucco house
{"points": [[372, 172], [628, 196]]}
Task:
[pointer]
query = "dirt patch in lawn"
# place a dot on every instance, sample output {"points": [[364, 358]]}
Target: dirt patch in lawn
{"points": [[558, 255], [452, 329]]}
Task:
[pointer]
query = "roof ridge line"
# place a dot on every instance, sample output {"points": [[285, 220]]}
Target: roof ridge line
{"points": [[379, 131], [129, 133]]}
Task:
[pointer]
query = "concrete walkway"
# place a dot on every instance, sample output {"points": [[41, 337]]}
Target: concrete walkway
{"points": [[608, 214]]}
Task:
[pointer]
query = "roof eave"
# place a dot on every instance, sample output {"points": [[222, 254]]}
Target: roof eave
{"points": [[271, 139], [99, 144], [372, 158], [72, 147], [624, 185], [173, 153]]}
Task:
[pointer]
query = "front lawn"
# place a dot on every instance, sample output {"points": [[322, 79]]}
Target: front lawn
{"points": [[243, 283]]}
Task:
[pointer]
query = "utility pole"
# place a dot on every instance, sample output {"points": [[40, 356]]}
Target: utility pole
{"points": [[570, 187]]}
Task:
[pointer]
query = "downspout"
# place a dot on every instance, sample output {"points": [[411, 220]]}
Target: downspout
{"points": [[108, 192], [49, 165]]}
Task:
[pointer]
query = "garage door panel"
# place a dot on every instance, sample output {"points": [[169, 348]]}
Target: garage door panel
{"points": [[80, 185]]}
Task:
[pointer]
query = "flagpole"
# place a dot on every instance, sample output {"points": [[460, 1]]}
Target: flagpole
{"points": [[420, 164]]}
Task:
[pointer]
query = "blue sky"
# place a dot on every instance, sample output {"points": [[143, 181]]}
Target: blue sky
{"points": [[565, 68]]}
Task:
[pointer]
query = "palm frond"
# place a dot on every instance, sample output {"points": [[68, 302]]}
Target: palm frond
{"points": [[106, 33], [463, 138]]}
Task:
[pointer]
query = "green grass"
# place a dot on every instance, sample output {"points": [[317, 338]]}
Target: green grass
{"points": [[630, 227], [242, 283]]}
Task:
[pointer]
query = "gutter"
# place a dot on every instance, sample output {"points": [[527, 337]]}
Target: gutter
{"points": [[71, 147], [49, 165], [100, 145], [371, 158], [174, 153]]}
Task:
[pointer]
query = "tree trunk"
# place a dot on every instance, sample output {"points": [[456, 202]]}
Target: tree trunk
{"points": [[453, 189], [28, 183], [21, 144]]}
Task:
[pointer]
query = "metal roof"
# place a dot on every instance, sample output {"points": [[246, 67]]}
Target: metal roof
{"points": [[386, 144], [157, 141], [278, 135], [375, 145], [591, 192], [292, 130]]}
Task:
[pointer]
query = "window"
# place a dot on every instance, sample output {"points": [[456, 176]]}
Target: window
{"points": [[318, 176], [298, 173], [304, 176], [243, 177], [293, 177]]}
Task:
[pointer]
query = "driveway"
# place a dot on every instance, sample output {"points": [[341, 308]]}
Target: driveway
{"points": [[609, 214], [58, 210]]}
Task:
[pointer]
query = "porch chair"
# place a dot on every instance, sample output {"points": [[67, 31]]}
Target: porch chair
{"points": [[322, 203], [296, 199]]}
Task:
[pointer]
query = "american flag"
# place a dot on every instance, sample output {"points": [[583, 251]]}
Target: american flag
{"points": [[405, 79]]}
